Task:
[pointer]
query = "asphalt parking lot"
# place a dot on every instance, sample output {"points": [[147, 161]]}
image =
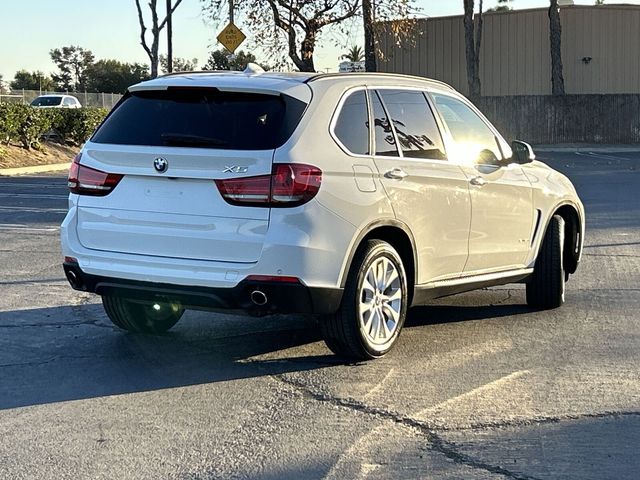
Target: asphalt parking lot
{"points": [[479, 387]]}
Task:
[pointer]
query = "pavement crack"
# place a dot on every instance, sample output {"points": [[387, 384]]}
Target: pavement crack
{"points": [[504, 300], [538, 421], [436, 443]]}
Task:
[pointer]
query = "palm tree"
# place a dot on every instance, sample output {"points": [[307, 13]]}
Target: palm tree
{"points": [[355, 54]]}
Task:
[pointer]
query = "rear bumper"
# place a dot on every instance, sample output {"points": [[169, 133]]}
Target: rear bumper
{"points": [[281, 297]]}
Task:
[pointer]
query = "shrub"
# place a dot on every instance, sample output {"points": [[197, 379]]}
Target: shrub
{"points": [[29, 124], [34, 123], [9, 122]]}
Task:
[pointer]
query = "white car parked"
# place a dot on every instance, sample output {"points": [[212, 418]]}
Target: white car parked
{"points": [[351, 196], [56, 101]]}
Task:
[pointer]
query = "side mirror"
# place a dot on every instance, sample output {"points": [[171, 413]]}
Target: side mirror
{"points": [[522, 152]]}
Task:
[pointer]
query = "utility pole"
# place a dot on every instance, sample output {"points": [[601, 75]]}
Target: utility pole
{"points": [[169, 38]]}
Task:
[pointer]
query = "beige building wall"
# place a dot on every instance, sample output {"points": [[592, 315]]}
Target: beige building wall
{"points": [[515, 59]]}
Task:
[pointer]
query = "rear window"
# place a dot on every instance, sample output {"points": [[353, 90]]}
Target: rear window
{"points": [[205, 118]]}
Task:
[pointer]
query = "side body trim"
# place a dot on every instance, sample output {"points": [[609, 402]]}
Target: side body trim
{"points": [[429, 291]]}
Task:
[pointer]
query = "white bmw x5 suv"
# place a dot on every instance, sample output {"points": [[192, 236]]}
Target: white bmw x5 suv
{"points": [[350, 196]]}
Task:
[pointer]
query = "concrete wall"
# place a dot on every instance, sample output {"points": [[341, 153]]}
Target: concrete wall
{"points": [[548, 119], [515, 58]]}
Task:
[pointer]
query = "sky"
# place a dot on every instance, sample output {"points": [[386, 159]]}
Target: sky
{"points": [[109, 28]]}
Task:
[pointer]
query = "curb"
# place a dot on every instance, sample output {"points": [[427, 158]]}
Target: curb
{"points": [[54, 167], [587, 148]]}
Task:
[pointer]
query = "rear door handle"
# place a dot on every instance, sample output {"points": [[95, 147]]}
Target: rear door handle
{"points": [[478, 181], [396, 173]]}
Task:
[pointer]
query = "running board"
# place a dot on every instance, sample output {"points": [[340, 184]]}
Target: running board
{"points": [[423, 293]]}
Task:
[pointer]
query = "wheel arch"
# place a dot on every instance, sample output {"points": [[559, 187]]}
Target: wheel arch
{"points": [[398, 235]]}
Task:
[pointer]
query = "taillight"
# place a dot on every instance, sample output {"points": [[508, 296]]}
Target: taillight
{"points": [[289, 185], [89, 181]]}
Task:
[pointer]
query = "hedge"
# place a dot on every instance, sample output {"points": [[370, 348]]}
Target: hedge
{"points": [[28, 124]]}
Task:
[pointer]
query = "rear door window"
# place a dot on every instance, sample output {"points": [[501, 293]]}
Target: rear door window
{"points": [[415, 125], [202, 117], [352, 125]]}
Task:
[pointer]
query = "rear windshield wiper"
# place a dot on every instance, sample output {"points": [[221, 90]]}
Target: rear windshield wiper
{"points": [[184, 140]]}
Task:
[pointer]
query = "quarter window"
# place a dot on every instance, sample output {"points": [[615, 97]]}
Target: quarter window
{"points": [[416, 128], [352, 126], [473, 138], [385, 140]]}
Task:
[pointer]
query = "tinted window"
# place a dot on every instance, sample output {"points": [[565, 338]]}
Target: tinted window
{"points": [[195, 117], [69, 101], [473, 137], [47, 101], [416, 128], [352, 126], [385, 140]]}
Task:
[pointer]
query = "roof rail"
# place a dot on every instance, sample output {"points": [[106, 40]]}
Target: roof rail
{"points": [[173, 74], [379, 74]]}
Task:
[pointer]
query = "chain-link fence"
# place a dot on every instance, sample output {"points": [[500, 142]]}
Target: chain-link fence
{"points": [[86, 99]]}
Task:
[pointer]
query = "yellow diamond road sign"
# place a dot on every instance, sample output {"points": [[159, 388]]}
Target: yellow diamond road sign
{"points": [[231, 37]]}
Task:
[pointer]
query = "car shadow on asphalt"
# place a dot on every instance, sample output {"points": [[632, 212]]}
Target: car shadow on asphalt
{"points": [[438, 314], [73, 352]]}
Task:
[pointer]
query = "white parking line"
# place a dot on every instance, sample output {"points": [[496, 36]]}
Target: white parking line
{"points": [[61, 186], [31, 195], [495, 385], [600, 155], [32, 209], [23, 228]]}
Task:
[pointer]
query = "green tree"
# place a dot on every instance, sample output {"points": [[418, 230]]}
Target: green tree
{"points": [[179, 64], [355, 54], [72, 62], [219, 60], [26, 80], [112, 76]]}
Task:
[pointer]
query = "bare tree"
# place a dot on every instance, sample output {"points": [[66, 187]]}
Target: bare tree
{"points": [[298, 24], [307, 18], [555, 40], [473, 42], [156, 28]]}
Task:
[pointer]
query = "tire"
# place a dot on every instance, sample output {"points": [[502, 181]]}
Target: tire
{"points": [[141, 317], [370, 318], [545, 288]]}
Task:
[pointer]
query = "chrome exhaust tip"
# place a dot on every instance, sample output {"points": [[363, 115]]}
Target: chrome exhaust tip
{"points": [[72, 277], [258, 298]]}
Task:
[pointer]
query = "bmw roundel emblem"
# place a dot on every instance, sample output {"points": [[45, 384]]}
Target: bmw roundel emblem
{"points": [[160, 164]]}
